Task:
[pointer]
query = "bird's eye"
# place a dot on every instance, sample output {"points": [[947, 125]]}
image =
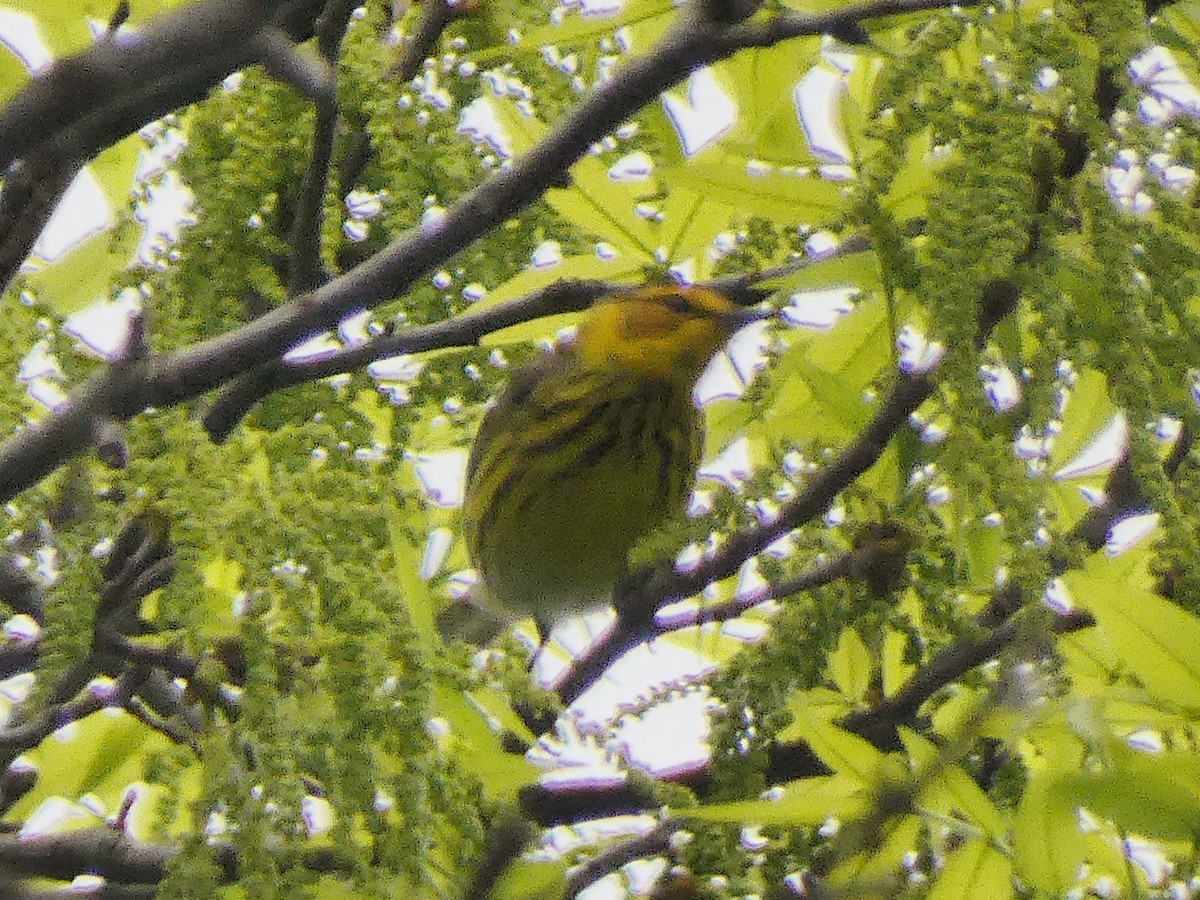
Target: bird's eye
{"points": [[678, 303]]}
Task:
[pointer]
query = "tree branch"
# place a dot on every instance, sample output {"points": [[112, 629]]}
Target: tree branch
{"points": [[89, 101], [97, 851], [305, 271], [435, 15]]}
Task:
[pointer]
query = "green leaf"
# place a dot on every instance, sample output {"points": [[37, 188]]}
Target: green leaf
{"points": [[13, 74], [908, 194], [763, 81], [862, 873], [1154, 638], [1178, 27], [1156, 795], [605, 208], [579, 29], [1088, 412], [528, 880], [850, 666], [82, 275], [951, 791], [841, 751], [817, 387], [788, 199], [894, 671], [857, 270], [520, 126], [974, 869], [1048, 847], [101, 754], [819, 704], [626, 266], [478, 748], [406, 569], [809, 801]]}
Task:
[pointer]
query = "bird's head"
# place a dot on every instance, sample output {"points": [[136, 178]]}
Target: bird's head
{"points": [[662, 331]]}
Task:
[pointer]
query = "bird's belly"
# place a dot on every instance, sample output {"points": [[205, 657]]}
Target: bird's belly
{"points": [[576, 534]]}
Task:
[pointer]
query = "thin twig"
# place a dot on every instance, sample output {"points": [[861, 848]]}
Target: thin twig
{"points": [[655, 842], [140, 711], [506, 839], [305, 271], [435, 15]]}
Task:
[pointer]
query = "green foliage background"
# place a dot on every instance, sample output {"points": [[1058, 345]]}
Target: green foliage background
{"points": [[303, 535]]}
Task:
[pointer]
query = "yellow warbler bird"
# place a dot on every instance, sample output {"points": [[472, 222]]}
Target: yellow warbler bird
{"points": [[587, 450]]}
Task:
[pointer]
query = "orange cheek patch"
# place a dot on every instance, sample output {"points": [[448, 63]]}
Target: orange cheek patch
{"points": [[648, 321]]}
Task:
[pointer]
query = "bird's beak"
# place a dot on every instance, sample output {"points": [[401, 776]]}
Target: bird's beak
{"points": [[740, 318]]}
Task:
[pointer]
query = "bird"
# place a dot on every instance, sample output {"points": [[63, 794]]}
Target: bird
{"points": [[587, 450]]}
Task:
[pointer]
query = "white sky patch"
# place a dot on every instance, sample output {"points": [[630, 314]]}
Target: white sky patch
{"points": [[364, 204], [317, 814], [437, 547], [744, 630], [818, 99], [166, 145], [718, 382], [918, 354], [52, 815], [595, 7], [82, 212], [821, 245], [1000, 387], [704, 116], [22, 628], [443, 477], [317, 346], [1169, 92], [1057, 597], [478, 121], [684, 272], [751, 586], [1149, 857], [39, 362], [836, 54], [98, 27], [1146, 740], [728, 374], [1124, 180], [353, 330], [165, 212], [820, 309], [628, 680], [569, 756], [18, 688], [631, 168], [20, 34], [1102, 453], [546, 255], [685, 720], [732, 466], [568, 639], [102, 329], [1130, 531], [405, 367], [47, 394]]}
